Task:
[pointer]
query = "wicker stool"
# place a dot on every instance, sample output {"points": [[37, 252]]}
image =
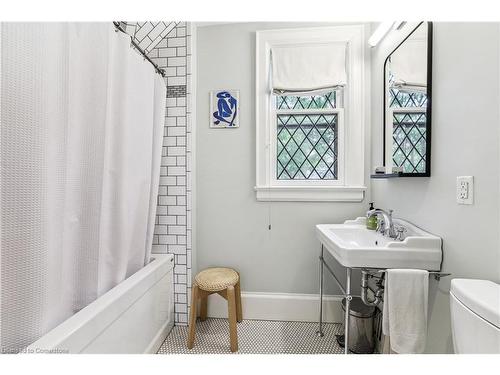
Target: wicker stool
{"points": [[225, 282]]}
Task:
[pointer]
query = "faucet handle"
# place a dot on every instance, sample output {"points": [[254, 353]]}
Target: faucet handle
{"points": [[400, 232]]}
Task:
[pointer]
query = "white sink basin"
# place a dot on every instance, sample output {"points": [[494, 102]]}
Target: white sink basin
{"points": [[354, 246]]}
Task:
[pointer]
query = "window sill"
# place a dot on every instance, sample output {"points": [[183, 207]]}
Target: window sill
{"points": [[310, 194]]}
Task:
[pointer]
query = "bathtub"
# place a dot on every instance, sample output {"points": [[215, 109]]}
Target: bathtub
{"points": [[133, 317]]}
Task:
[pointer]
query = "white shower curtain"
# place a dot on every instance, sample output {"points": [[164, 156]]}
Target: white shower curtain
{"points": [[81, 122]]}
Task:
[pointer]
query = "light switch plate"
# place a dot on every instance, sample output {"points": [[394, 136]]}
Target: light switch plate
{"points": [[465, 189]]}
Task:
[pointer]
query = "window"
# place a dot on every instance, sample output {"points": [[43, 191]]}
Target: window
{"points": [[310, 144], [408, 111], [307, 132]]}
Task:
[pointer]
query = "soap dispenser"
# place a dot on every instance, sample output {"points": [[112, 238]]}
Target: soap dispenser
{"points": [[371, 221]]}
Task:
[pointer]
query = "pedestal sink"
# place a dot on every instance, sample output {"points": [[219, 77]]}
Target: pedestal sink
{"points": [[354, 246]]}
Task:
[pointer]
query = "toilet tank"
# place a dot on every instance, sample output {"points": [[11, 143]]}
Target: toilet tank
{"points": [[475, 316]]}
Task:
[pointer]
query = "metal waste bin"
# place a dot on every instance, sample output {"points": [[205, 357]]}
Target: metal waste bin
{"points": [[361, 334]]}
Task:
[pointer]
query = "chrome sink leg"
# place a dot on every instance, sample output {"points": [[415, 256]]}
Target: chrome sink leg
{"points": [[348, 299], [320, 333]]}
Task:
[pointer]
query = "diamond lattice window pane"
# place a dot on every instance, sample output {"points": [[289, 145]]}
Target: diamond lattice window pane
{"points": [[409, 129], [325, 101], [307, 147], [403, 99], [409, 135]]}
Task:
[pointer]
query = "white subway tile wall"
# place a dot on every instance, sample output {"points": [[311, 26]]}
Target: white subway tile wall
{"points": [[149, 34], [167, 45]]}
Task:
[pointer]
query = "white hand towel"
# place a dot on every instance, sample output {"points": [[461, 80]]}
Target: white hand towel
{"points": [[405, 309]]}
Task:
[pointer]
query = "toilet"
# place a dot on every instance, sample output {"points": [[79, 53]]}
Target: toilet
{"points": [[475, 316]]}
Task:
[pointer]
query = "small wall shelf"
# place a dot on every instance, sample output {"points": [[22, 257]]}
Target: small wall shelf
{"points": [[386, 175]]}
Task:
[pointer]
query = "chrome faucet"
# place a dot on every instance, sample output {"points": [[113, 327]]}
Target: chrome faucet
{"points": [[385, 226]]}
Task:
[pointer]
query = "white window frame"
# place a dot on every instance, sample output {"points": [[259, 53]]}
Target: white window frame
{"points": [[349, 185]]}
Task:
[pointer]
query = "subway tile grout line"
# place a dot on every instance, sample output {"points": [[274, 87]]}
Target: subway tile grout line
{"points": [[172, 225]]}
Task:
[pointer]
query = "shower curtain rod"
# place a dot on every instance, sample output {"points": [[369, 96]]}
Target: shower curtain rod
{"points": [[159, 70]]}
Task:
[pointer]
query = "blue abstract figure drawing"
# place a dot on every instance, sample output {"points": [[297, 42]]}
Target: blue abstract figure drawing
{"points": [[224, 109]]}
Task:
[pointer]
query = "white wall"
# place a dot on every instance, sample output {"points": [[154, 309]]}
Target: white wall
{"points": [[232, 227], [465, 129]]}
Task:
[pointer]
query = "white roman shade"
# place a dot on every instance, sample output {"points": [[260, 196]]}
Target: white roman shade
{"points": [[409, 65], [308, 67]]}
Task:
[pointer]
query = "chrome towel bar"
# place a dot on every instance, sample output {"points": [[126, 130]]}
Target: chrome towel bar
{"points": [[436, 274]]}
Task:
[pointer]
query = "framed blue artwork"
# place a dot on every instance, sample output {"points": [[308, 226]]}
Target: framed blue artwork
{"points": [[224, 109]]}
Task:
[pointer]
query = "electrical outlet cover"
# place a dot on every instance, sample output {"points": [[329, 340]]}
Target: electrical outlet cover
{"points": [[465, 189]]}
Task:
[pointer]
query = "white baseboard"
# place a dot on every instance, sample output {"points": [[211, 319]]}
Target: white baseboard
{"points": [[280, 306]]}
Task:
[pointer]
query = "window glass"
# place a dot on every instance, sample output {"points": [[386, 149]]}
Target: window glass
{"points": [[307, 143], [408, 128]]}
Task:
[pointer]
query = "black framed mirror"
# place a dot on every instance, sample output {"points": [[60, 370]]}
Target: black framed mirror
{"points": [[407, 105]]}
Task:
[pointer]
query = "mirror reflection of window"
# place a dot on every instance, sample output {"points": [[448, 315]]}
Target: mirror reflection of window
{"points": [[406, 104]]}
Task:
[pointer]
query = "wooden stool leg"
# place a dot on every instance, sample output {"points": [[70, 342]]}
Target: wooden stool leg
{"points": [[192, 316], [233, 333], [203, 306], [239, 313]]}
